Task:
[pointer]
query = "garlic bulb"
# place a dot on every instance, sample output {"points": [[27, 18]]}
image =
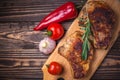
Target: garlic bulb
{"points": [[47, 45]]}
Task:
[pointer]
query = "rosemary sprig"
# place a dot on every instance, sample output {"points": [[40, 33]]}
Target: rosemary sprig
{"points": [[85, 37]]}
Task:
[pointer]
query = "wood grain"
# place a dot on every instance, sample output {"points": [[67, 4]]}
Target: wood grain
{"points": [[20, 58], [29, 10]]}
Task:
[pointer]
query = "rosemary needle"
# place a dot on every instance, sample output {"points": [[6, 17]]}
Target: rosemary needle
{"points": [[85, 37]]}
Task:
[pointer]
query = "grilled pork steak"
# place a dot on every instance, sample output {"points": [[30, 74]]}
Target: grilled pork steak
{"points": [[102, 19], [71, 50]]}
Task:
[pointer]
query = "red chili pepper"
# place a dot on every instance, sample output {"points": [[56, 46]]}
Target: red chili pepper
{"points": [[62, 13]]}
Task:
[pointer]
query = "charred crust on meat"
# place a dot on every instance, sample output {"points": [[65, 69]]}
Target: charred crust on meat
{"points": [[71, 50], [102, 19]]}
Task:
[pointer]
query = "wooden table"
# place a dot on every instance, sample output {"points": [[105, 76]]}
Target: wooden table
{"points": [[20, 58]]}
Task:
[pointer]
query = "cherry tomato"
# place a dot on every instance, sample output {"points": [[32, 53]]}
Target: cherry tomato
{"points": [[55, 31], [55, 68]]}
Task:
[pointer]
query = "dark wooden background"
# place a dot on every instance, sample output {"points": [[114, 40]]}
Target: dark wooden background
{"points": [[20, 58]]}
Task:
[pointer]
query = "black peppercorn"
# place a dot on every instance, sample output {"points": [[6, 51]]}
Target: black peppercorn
{"points": [[60, 78]]}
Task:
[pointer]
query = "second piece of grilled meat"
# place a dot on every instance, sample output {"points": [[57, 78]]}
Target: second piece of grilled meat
{"points": [[71, 50]]}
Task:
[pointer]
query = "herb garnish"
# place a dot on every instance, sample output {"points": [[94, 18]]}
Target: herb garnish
{"points": [[85, 37]]}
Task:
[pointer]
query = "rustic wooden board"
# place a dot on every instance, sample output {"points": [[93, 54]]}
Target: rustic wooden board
{"points": [[99, 54]]}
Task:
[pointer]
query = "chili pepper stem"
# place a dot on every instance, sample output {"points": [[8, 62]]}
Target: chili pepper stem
{"points": [[78, 6]]}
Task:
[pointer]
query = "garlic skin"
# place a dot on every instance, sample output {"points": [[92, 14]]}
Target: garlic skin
{"points": [[47, 45]]}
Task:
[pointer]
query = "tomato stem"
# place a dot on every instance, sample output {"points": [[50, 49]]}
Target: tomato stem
{"points": [[47, 65], [49, 33]]}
